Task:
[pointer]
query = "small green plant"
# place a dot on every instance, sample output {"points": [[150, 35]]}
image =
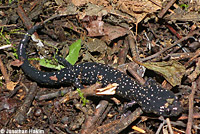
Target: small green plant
{"points": [[10, 1], [4, 37], [14, 51], [83, 99], [71, 58], [48, 63], [184, 6], [1, 83]]}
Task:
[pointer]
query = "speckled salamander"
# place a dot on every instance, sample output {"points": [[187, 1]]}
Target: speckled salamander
{"points": [[151, 97]]}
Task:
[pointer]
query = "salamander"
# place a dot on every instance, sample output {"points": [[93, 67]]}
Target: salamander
{"points": [[151, 97]]}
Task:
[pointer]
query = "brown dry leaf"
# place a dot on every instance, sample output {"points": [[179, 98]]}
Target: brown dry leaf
{"points": [[95, 28], [9, 104], [138, 8], [99, 28], [79, 2], [11, 85], [172, 71], [113, 32], [96, 45], [93, 10], [16, 63], [70, 9], [100, 2]]}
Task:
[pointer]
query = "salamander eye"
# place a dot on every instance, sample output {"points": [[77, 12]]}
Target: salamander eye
{"points": [[168, 111]]}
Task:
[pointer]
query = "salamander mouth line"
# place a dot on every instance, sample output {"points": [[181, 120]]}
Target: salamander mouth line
{"points": [[151, 97]]}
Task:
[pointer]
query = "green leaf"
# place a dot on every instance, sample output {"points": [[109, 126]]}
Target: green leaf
{"points": [[74, 52], [71, 58], [48, 64]]}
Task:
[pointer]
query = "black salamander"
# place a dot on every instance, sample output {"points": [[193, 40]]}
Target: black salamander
{"points": [[151, 97]]}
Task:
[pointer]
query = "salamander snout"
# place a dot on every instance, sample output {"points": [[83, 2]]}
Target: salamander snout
{"points": [[172, 107]]}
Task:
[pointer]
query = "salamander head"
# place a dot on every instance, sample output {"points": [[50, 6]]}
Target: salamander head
{"points": [[158, 100], [164, 107], [172, 107]]}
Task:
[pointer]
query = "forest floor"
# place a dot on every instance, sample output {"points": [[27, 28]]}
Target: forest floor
{"points": [[145, 39]]}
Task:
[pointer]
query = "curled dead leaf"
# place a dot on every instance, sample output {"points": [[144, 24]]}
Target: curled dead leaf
{"points": [[11, 85], [16, 63], [172, 71]]}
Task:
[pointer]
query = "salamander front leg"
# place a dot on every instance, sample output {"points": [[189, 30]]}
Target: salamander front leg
{"points": [[63, 61], [125, 110], [77, 84], [130, 104]]}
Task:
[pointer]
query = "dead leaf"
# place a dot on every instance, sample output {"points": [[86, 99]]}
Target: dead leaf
{"points": [[138, 8], [96, 45], [11, 85], [113, 32], [172, 71], [79, 2], [92, 10], [16, 63], [8, 103], [8, 106], [70, 9], [95, 28], [99, 28]]}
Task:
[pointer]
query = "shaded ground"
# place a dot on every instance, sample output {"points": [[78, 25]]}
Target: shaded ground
{"points": [[158, 40]]}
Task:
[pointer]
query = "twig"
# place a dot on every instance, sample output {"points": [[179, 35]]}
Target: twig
{"points": [[169, 126], [174, 44], [185, 117], [135, 74], [23, 16], [4, 7], [179, 56], [90, 91], [191, 106], [197, 53], [164, 10], [4, 72], [5, 46], [49, 96], [133, 46], [11, 25], [123, 52], [160, 127], [92, 120], [174, 31], [22, 111], [118, 125]]}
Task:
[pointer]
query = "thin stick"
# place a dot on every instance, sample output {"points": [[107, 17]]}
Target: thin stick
{"points": [[191, 106], [174, 44]]}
